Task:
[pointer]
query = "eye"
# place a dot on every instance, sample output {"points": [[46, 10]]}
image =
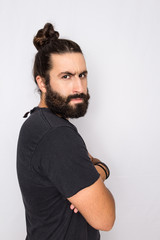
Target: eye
{"points": [[66, 76], [82, 75]]}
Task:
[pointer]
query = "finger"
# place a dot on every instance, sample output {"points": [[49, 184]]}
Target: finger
{"points": [[72, 207], [75, 210]]}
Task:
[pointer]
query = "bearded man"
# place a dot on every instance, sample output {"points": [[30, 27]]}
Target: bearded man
{"points": [[61, 183]]}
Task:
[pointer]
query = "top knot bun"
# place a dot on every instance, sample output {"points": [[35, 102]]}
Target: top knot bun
{"points": [[44, 36]]}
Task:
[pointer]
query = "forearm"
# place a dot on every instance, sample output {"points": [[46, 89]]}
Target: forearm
{"points": [[102, 170]]}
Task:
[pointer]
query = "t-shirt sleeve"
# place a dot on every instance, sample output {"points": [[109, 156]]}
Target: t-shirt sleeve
{"points": [[64, 159]]}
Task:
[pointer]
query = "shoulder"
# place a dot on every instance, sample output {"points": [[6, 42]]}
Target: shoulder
{"points": [[42, 121], [41, 126]]}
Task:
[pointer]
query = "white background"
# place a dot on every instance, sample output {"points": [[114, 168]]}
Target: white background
{"points": [[121, 42]]}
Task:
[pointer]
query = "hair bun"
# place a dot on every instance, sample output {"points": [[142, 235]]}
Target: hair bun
{"points": [[44, 36]]}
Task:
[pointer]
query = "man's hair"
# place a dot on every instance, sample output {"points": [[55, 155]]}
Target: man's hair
{"points": [[47, 42]]}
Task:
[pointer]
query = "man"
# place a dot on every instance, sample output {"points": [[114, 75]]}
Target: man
{"points": [[61, 183]]}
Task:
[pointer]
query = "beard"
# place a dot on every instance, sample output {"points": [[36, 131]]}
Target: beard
{"points": [[60, 105]]}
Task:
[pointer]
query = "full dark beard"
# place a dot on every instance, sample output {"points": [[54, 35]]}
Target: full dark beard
{"points": [[60, 105]]}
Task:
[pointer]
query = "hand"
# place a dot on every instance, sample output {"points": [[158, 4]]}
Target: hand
{"points": [[72, 207]]}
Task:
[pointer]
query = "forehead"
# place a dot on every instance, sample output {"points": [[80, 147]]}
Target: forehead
{"points": [[71, 62]]}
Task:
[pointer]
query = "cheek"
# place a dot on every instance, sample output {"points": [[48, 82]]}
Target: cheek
{"points": [[63, 88]]}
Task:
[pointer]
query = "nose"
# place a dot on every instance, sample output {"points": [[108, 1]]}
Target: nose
{"points": [[77, 85]]}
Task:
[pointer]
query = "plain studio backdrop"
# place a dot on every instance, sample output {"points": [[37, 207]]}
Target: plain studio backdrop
{"points": [[121, 44]]}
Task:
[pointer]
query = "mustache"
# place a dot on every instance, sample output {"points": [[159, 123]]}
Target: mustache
{"points": [[81, 95]]}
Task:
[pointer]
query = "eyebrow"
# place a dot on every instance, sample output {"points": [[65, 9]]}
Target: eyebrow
{"points": [[72, 74]]}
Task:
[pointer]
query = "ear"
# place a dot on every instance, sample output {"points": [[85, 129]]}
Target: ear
{"points": [[41, 84]]}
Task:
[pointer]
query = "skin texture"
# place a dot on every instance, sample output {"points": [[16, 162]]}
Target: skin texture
{"points": [[68, 77]]}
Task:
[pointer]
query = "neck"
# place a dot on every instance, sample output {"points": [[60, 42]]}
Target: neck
{"points": [[42, 103]]}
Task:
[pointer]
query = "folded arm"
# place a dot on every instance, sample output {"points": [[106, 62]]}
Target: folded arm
{"points": [[96, 202]]}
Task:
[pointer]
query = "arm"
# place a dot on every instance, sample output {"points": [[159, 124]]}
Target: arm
{"points": [[96, 204], [99, 169], [101, 223]]}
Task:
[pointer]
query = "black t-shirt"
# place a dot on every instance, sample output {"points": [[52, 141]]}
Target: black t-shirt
{"points": [[53, 165]]}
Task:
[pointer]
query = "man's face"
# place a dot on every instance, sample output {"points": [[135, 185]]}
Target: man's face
{"points": [[67, 93]]}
